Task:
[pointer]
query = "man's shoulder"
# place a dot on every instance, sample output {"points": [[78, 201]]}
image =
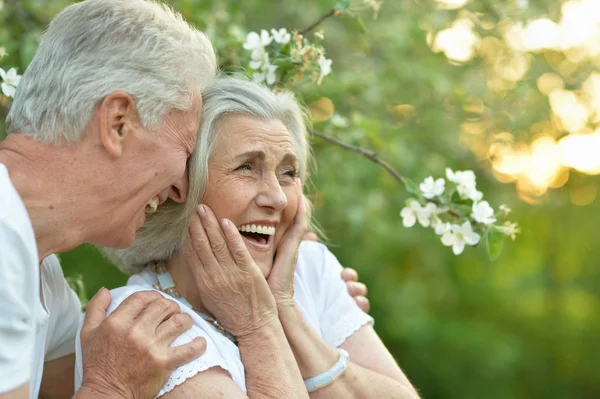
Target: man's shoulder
{"points": [[14, 218]]}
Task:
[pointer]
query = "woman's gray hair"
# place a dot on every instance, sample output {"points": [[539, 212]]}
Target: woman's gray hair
{"points": [[164, 232], [96, 47]]}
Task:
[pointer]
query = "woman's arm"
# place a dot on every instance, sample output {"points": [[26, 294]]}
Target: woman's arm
{"points": [[372, 372]]}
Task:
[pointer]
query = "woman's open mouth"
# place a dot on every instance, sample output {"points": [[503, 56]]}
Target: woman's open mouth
{"points": [[257, 236]]}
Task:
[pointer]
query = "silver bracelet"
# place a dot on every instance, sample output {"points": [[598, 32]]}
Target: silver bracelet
{"points": [[327, 378]]}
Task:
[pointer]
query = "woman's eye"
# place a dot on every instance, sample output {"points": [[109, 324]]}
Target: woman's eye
{"points": [[245, 166], [293, 173]]}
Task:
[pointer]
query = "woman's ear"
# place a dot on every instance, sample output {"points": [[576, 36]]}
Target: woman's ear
{"points": [[117, 112]]}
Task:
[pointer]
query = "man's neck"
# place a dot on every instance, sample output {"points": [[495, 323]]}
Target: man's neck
{"points": [[40, 175]]}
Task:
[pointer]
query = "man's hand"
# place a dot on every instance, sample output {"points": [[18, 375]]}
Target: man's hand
{"points": [[355, 288], [128, 354]]}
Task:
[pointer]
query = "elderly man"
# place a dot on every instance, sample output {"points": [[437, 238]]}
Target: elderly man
{"points": [[100, 131]]}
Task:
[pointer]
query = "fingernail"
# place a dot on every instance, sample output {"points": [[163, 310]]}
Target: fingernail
{"points": [[226, 223], [201, 210]]}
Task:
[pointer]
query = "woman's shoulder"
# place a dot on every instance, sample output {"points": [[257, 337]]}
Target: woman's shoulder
{"points": [[220, 352]]}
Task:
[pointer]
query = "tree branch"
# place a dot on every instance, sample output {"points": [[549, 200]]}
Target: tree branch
{"points": [[371, 155], [318, 22]]}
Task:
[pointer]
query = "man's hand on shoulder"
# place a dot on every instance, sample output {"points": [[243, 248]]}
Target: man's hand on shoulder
{"points": [[128, 354]]}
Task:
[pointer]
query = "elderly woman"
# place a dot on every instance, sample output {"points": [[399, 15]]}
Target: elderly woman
{"points": [[275, 312]]}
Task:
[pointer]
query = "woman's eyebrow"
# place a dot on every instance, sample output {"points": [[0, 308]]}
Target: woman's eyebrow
{"points": [[251, 154], [289, 157]]}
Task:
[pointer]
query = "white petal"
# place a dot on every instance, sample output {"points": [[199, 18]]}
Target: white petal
{"points": [[252, 40], [258, 77], [472, 238], [458, 247], [408, 218], [8, 90], [2, 74], [448, 239]]}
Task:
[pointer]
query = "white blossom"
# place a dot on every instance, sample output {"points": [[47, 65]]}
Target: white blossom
{"points": [[510, 230], [281, 36], [483, 212], [442, 228], [409, 213], [254, 41], [458, 236], [259, 59], [505, 210], [432, 188], [10, 81], [325, 65], [474, 194], [465, 184], [266, 73], [461, 177], [424, 214]]}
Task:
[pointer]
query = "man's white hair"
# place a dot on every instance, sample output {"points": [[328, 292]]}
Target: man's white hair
{"points": [[164, 232], [96, 47]]}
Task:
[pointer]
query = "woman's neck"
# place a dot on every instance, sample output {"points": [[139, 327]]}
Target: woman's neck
{"points": [[185, 284]]}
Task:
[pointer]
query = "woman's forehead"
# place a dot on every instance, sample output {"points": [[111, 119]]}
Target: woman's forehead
{"points": [[242, 133]]}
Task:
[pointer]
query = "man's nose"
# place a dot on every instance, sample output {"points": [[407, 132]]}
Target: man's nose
{"points": [[179, 190]]}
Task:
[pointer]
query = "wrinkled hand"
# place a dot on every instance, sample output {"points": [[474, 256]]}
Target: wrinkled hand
{"points": [[281, 278], [128, 354], [233, 288], [356, 289]]}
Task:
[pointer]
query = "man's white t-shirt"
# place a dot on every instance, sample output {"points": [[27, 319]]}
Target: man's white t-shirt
{"points": [[39, 313], [320, 293]]}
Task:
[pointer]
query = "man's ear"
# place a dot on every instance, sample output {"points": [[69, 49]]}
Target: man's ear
{"points": [[117, 113]]}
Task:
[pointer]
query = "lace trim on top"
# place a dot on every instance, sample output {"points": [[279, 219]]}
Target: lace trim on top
{"points": [[346, 326]]}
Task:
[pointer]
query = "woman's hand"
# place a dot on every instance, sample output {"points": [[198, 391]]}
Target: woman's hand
{"points": [[281, 278], [233, 287]]}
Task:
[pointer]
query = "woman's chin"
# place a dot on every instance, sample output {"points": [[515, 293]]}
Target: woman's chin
{"points": [[265, 265]]}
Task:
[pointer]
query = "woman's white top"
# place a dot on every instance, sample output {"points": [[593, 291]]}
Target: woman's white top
{"points": [[320, 293]]}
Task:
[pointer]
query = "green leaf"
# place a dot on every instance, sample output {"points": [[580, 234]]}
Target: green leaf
{"points": [[359, 24], [412, 187], [342, 5], [457, 200], [495, 242]]}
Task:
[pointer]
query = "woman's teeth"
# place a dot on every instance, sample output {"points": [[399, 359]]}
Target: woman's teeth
{"points": [[152, 205], [252, 228]]}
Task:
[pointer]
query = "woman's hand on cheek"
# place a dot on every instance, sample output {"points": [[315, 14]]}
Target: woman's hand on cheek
{"points": [[231, 285], [281, 278]]}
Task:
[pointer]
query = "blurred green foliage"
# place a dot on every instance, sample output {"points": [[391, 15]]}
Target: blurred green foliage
{"points": [[462, 327]]}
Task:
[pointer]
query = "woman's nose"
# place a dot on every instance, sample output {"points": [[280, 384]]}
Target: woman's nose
{"points": [[271, 194]]}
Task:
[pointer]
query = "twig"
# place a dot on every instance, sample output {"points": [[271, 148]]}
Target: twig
{"points": [[318, 22], [371, 155]]}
